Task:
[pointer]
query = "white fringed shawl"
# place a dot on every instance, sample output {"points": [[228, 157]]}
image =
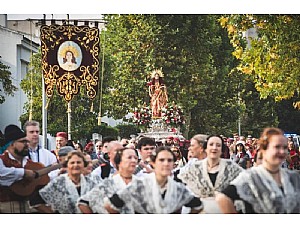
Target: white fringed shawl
{"points": [[257, 187], [197, 179], [144, 194], [106, 188], [61, 193]]}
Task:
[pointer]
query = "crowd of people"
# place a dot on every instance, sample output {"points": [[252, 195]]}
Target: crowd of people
{"points": [[206, 174]]}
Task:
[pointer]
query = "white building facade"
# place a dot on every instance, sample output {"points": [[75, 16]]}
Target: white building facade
{"points": [[15, 51]]}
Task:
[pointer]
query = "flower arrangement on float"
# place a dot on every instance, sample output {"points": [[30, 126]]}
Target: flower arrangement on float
{"points": [[172, 115], [142, 117]]}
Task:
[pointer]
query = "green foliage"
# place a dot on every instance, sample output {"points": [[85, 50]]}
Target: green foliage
{"points": [[194, 53], [105, 131], [272, 59], [125, 130], [5, 80]]}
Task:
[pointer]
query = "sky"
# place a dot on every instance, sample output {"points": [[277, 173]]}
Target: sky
{"points": [[53, 16], [90, 8]]}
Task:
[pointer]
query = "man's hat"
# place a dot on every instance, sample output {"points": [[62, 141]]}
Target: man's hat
{"points": [[229, 140], [90, 144], [63, 151], [12, 133], [62, 134]]}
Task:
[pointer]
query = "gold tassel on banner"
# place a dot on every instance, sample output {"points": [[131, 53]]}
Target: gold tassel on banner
{"points": [[92, 107]]}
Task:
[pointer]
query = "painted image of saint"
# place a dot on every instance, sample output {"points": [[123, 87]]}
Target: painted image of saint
{"points": [[69, 56]]}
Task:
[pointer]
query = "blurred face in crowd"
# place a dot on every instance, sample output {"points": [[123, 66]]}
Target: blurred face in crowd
{"points": [[113, 147], [89, 168], [75, 165], [175, 150], [196, 148], [259, 158], [164, 163], [21, 147], [60, 142], [129, 161], [249, 141], [104, 147], [276, 151], [214, 148], [32, 133], [146, 151], [291, 145], [229, 143], [98, 147]]}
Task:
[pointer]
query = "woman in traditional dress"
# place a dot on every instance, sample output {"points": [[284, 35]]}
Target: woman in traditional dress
{"points": [[157, 93], [61, 194], [266, 188], [156, 192], [205, 178], [92, 202], [242, 158]]}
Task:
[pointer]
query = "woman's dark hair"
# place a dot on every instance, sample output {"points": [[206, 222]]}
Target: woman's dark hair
{"points": [[73, 60], [118, 156], [71, 154], [218, 136], [159, 149], [243, 148]]}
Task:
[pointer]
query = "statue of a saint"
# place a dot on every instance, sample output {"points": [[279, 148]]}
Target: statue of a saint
{"points": [[158, 94]]}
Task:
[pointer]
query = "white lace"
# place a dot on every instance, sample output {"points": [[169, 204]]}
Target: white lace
{"points": [[144, 194], [96, 197], [197, 179], [258, 187], [61, 193]]}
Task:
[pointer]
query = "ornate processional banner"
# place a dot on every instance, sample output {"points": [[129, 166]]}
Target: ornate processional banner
{"points": [[70, 59]]}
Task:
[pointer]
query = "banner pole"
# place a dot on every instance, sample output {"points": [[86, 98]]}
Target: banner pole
{"points": [[69, 120]]}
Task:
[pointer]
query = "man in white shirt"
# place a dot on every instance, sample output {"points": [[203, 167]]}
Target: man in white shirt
{"points": [[36, 152]]}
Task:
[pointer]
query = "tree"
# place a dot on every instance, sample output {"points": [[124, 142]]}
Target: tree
{"points": [[194, 53], [5, 79], [272, 57]]}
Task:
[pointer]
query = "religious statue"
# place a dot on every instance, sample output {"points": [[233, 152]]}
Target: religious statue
{"points": [[158, 94]]}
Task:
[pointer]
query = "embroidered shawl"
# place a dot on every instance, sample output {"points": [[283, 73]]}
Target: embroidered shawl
{"points": [[106, 188], [144, 194], [257, 187], [197, 179], [61, 193]]}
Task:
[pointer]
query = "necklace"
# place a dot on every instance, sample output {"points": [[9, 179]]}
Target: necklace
{"points": [[126, 178], [76, 184], [273, 172], [212, 165]]}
